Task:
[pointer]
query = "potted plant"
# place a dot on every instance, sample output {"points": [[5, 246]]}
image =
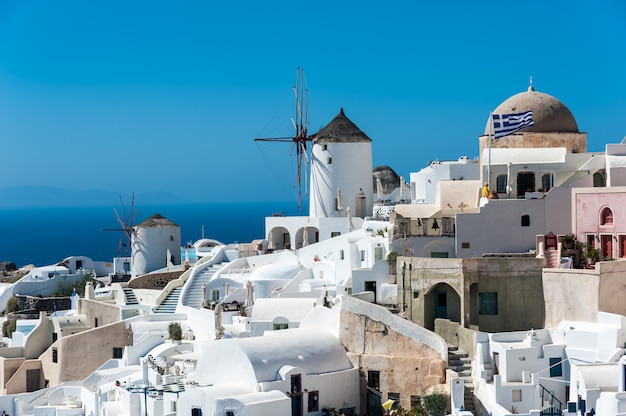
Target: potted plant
{"points": [[243, 311], [175, 332], [568, 241], [591, 254]]}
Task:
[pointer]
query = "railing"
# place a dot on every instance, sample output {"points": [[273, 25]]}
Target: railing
{"points": [[551, 399]]}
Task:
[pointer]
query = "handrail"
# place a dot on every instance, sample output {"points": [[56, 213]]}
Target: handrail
{"points": [[552, 397]]}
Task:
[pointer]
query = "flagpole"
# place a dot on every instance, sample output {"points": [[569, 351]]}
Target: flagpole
{"points": [[489, 154]]}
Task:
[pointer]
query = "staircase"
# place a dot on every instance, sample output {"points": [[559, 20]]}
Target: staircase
{"points": [[169, 303], [553, 259], [131, 299], [459, 361], [193, 295]]}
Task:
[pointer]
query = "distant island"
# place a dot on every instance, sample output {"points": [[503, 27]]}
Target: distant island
{"points": [[47, 196]]}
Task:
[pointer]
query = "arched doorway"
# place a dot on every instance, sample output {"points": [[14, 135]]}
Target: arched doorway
{"points": [[442, 301], [279, 239], [306, 236]]}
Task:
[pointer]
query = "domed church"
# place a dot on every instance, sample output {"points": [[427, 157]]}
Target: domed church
{"points": [[555, 131]]}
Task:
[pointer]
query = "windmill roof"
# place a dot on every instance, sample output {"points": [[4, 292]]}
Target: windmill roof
{"points": [[340, 130], [157, 220]]}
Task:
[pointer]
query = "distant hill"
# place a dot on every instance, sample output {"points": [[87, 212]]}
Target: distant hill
{"points": [[46, 196]]}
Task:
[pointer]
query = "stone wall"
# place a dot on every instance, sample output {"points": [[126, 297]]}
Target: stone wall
{"points": [[35, 304], [154, 280], [409, 359]]}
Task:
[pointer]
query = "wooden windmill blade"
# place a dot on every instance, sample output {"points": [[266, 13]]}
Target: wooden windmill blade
{"points": [[300, 123], [127, 227]]}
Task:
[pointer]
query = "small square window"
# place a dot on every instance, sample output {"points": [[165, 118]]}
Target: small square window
{"points": [[373, 379], [117, 352], [488, 303], [415, 401], [516, 396], [465, 245], [556, 368], [526, 220], [314, 401], [330, 160]]}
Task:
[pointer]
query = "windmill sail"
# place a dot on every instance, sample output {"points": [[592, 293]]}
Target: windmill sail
{"points": [[300, 123]]}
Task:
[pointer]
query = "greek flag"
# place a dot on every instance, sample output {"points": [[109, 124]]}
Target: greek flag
{"points": [[505, 124]]}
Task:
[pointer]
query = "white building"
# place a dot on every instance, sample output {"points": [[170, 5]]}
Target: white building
{"points": [[567, 368], [155, 245], [341, 170], [424, 183]]}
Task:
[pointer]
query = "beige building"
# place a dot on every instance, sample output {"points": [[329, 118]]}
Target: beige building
{"points": [[490, 294], [397, 359]]}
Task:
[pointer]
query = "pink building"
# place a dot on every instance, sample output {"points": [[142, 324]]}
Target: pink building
{"points": [[600, 219]]}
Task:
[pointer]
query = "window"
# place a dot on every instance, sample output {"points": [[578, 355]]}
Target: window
{"points": [[396, 399], [229, 413], [117, 352], [488, 303], [415, 401], [215, 294], [501, 184], [330, 160], [54, 336], [127, 267], [465, 245], [416, 294], [278, 327], [362, 255], [606, 217], [198, 412], [622, 245], [526, 220], [95, 322], [324, 147], [341, 254], [378, 253], [547, 181], [439, 254], [314, 401], [516, 396], [334, 234], [55, 355], [598, 180], [556, 369], [373, 379]]}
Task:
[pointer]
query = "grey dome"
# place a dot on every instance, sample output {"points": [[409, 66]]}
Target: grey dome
{"points": [[549, 114]]}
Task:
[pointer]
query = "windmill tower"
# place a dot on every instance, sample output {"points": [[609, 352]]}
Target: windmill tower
{"points": [[340, 159], [341, 170], [155, 245]]}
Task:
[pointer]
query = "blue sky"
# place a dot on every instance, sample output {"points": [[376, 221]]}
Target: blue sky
{"points": [[151, 95]]}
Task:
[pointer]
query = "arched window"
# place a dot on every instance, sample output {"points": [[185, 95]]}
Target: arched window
{"points": [[606, 216], [598, 180]]}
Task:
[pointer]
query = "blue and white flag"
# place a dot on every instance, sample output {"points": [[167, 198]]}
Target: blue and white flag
{"points": [[505, 124]]}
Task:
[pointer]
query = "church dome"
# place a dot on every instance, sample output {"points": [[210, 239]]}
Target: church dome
{"points": [[549, 114]]}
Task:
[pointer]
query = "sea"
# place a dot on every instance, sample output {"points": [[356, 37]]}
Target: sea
{"points": [[43, 236]]}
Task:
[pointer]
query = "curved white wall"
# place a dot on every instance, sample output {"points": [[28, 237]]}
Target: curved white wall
{"points": [[150, 245], [346, 166]]}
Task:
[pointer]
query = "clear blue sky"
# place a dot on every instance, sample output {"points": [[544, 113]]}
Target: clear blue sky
{"points": [[151, 95]]}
